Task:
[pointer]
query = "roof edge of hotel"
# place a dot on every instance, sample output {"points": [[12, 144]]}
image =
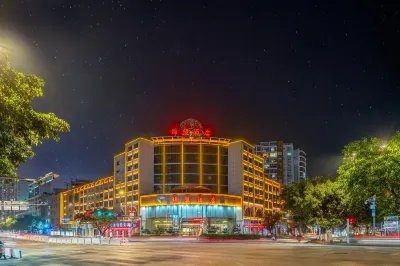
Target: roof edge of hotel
{"points": [[137, 138], [72, 189], [119, 154]]}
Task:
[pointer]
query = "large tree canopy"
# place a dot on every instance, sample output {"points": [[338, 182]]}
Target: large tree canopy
{"points": [[372, 167], [21, 127], [317, 201]]}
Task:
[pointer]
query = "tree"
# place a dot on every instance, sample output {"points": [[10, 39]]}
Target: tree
{"points": [[318, 200], [8, 223], [21, 126], [325, 199], [372, 167], [101, 219], [293, 201], [272, 219]]}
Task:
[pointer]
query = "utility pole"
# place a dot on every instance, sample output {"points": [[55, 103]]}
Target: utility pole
{"points": [[348, 230], [372, 205]]}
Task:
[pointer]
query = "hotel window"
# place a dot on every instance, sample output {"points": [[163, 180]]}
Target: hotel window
{"points": [[135, 197], [157, 150], [136, 145], [130, 148], [157, 158], [157, 169], [130, 158], [224, 189], [135, 176], [136, 155], [173, 148], [130, 168], [118, 162], [157, 179], [191, 149], [135, 187], [135, 166]]}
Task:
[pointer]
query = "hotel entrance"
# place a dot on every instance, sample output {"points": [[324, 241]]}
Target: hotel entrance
{"points": [[192, 227]]}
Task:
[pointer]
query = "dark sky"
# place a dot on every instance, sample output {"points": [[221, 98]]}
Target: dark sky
{"points": [[316, 74]]}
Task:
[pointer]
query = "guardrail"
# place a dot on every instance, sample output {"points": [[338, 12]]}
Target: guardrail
{"points": [[67, 240]]}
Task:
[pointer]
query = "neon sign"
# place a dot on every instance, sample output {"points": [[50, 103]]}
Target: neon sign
{"points": [[174, 198], [187, 199], [191, 128], [213, 199], [200, 198]]}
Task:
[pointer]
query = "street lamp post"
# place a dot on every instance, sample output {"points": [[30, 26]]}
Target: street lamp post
{"points": [[372, 205]]}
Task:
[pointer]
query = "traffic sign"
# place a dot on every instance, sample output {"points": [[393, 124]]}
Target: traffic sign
{"points": [[373, 212], [65, 220]]}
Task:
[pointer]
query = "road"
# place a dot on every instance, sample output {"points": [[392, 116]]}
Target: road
{"points": [[218, 254]]}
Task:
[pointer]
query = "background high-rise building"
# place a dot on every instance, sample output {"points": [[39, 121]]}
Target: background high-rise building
{"points": [[282, 163]]}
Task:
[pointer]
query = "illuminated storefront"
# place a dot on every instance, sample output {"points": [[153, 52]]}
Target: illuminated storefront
{"points": [[191, 213]]}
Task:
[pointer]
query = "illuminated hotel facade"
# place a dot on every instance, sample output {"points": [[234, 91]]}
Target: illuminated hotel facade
{"points": [[188, 182]]}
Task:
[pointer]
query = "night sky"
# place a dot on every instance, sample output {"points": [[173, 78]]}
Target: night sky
{"points": [[316, 74]]}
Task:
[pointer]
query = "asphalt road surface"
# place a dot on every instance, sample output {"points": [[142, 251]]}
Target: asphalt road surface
{"points": [[218, 254]]}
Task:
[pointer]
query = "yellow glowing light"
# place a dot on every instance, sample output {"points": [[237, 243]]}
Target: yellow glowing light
{"points": [[182, 168], [218, 171], [201, 165], [163, 170]]}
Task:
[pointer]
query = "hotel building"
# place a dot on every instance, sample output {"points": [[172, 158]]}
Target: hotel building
{"points": [[188, 182]]}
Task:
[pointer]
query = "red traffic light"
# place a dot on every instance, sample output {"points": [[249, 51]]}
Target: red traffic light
{"points": [[352, 220], [88, 212]]}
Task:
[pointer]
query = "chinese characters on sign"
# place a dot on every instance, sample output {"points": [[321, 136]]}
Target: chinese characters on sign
{"points": [[200, 198], [174, 198], [187, 199], [213, 199]]}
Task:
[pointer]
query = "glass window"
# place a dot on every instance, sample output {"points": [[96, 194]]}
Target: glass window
{"points": [[173, 168], [210, 169], [224, 189], [191, 158], [158, 189], [191, 149], [173, 148], [135, 187], [173, 179], [157, 149], [157, 158], [157, 169], [223, 180], [173, 158], [136, 155], [210, 149], [191, 179], [191, 168], [157, 179], [136, 145], [210, 179], [209, 158]]}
